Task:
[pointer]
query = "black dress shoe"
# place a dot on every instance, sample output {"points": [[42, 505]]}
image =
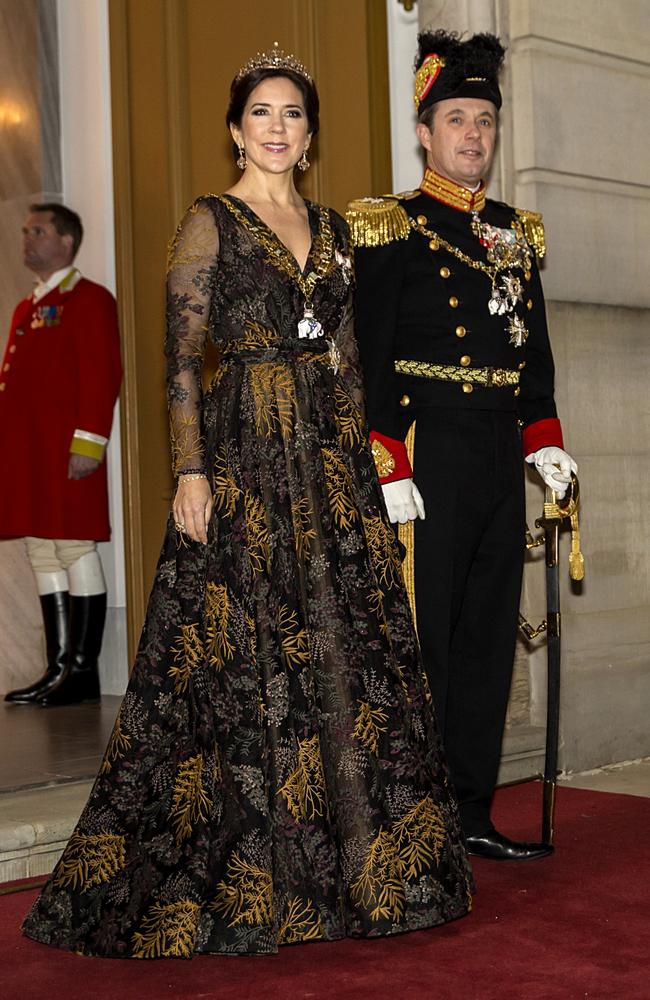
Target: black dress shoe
{"points": [[494, 846]]}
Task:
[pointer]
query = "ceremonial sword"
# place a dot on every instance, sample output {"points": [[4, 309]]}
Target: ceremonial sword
{"points": [[554, 513]]}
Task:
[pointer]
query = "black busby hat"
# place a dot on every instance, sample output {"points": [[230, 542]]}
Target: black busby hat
{"points": [[446, 67]]}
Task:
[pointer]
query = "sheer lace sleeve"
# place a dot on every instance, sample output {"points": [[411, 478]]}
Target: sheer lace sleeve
{"points": [[191, 272]]}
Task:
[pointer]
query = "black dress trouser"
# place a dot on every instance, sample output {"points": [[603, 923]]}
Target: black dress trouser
{"points": [[469, 554]]}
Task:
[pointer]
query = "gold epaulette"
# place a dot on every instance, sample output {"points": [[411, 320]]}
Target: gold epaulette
{"points": [[533, 230], [375, 222]]}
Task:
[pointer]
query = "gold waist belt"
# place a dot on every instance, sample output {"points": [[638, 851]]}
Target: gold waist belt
{"points": [[493, 378]]}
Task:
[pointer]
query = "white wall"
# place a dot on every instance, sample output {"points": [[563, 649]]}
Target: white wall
{"points": [[87, 166]]}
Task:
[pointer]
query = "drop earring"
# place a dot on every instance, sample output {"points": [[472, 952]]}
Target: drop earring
{"points": [[241, 162], [303, 162]]}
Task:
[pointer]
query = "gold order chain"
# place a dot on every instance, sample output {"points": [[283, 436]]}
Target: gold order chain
{"points": [[322, 253], [490, 269]]}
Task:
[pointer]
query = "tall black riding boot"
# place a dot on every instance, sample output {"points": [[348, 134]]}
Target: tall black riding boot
{"points": [[56, 618], [81, 680]]}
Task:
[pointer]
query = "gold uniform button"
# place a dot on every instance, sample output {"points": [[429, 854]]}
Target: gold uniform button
{"points": [[517, 390], [453, 302], [468, 387], [2, 387], [444, 272], [421, 220], [6, 367], [12, 349], [460, 331], [522, 366], [529, 304], [465, 360], [405, 400]]}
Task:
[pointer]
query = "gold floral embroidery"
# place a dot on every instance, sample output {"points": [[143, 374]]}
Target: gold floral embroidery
{"points": [[245, 896], [89, 860], [322, 254], [376, 605], [304, 789], [416, 839], [301, 922], [347, 419], [339, 486], [168, 931], [379, 887], [274, 393], [383, 551], [118, 744], [217, 617], [224, 488], [258, 539], [186, 444], [190, 802], [368, 726], [302, 515], [294, 640], [188, 655], [420, 837]]}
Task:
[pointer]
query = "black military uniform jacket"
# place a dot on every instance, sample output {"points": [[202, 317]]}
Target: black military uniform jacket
{"points": [[450, 312]]}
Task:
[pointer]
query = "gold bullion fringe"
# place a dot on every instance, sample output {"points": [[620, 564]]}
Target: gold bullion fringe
{"points": [[376, 222], [406, 534], [534, 230]]}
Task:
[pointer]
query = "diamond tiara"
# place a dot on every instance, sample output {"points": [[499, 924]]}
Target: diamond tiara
{"points": [[275, 59]]}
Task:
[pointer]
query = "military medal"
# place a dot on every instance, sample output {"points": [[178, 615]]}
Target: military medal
{"points": [[518, 332]]}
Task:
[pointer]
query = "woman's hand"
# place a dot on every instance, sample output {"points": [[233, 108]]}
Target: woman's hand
{"points": [[192, 508]]}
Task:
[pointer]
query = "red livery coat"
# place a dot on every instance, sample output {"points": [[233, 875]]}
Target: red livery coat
{"points": [[61, 373]]}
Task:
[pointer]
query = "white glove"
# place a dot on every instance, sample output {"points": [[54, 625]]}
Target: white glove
{"points": [[403, 501], [554, 466]]}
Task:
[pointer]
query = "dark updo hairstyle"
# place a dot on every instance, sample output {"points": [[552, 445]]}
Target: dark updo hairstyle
{"points": [[242, 88]]}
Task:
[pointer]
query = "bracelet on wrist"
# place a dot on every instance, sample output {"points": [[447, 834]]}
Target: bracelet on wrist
{"points": [[187, 477]]}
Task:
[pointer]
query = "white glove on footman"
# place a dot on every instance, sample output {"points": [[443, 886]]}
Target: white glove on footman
{"points": [[554, 466], [403, 501]]}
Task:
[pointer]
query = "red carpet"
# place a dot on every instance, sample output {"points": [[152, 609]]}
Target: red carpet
{"points": [[573, 927]]}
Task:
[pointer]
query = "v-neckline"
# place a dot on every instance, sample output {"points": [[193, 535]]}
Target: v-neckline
{"points": [[313, 230]]}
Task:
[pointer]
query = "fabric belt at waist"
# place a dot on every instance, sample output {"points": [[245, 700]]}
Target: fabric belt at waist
{"points": [[492, 378]]}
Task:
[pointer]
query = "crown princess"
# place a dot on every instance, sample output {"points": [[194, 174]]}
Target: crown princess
{"points": [[275, 59]]}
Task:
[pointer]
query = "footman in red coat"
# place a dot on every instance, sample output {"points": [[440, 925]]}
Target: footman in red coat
{"points": [[58, 385]]}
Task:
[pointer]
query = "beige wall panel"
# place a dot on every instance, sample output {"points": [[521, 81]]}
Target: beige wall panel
{"points": [[578, 113], [598, 240], [622, 29], [605, 697], [604, 373]]}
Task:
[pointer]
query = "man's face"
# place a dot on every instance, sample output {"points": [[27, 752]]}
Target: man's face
{"points": [[44, 250], [460, 143]]}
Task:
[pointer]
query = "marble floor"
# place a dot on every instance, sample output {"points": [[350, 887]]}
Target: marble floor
{"points": [[49, 758]]}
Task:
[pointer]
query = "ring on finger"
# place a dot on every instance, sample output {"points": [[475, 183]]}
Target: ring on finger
{"points": [[179, 525]]}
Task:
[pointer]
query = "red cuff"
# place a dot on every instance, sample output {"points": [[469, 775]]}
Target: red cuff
{"points": [[542, 434], [391, 458]]}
